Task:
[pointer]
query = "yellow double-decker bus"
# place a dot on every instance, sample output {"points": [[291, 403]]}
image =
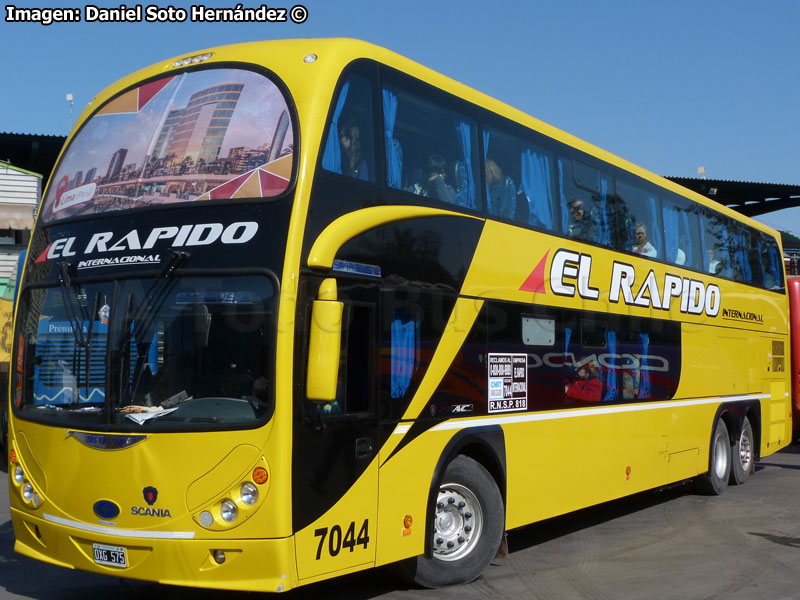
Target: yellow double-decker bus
{"points": [[296, 309]]}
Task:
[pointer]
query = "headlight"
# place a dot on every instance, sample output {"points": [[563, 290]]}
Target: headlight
{"points": [[249, 493], [19, 474], [228, 511], [27, 491]]}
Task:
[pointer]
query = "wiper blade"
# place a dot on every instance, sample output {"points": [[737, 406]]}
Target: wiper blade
{"points": [[70, 304], [152, 298]]}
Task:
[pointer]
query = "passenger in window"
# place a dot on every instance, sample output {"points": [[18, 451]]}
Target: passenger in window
{"points": [[433, 183], [680, 255], [580, 224], [714, 264], [354, 163], [640, 243], [502, 195], [587, 387]]}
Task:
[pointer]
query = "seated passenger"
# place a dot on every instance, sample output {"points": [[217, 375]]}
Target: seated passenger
{"points": [[714, 264], [587, 387], [433, 182], [502, 195], [640, 243], [354, 163], [580, 225]]}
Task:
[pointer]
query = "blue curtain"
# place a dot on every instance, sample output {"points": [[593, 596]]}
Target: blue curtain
{"points": [[774, 264], [332, 159], [672, 234], [567, 335], [536, 184], [605, 230], [653, 230], [466, 197], [690, 259], [612, 379], [644, 374], [563, 198], [741, 256], [394, 157], [725, 252], [403, 350], [485, 156]]}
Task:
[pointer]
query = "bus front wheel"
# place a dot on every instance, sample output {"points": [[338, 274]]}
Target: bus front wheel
{"points": [[743, 455], [467, 525], [715, 481]]}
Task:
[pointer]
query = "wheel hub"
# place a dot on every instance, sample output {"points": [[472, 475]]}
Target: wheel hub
{"points": [[457, 524]]}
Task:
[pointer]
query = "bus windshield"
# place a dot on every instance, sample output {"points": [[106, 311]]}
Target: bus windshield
{"points": [[214, 134], [170, 352]]}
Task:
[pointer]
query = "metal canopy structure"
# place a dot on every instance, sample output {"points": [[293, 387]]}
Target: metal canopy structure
{"points": [[746, 197]]}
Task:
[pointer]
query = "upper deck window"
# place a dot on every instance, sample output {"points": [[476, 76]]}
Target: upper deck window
{"points": [[216, 134]]}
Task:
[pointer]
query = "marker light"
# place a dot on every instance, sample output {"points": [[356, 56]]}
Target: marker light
{"points": [[260, 475], [36, 501], [27, 491], [19, 474], [192, 60], [206, 519], [309, 58], [228, 511], [12, 457], [407, 521], [249, 493]]}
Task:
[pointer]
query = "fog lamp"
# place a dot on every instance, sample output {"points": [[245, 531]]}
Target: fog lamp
{"points": [[219, 556]]}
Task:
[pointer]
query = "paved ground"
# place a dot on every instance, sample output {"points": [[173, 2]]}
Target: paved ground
{"points": [[660, 545]]}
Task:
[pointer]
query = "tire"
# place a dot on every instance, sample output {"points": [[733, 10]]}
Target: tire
{"points": [[715, 481], [467, 523], [743, 455]]}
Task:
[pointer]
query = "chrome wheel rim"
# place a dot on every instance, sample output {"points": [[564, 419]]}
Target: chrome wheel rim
{"points": [[720, 457], [745, 451], [458, 522]]}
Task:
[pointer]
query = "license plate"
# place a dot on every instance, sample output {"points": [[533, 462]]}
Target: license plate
{"points": [[112, 556]]}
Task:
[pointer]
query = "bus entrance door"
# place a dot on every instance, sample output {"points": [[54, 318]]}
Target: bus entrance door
{"points": [[335, 473]]}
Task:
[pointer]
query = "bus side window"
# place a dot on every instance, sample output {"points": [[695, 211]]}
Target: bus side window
{"points": [[638, 221], [519, 180], [431, 150], [586, 199], [681, 234], [717, 243], [349, 142]]}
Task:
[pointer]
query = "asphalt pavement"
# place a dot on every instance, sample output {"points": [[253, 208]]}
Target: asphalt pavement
{"points": [[664, 544]]}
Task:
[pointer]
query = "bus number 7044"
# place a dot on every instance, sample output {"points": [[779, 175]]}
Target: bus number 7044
{"points": [[335, 541]]}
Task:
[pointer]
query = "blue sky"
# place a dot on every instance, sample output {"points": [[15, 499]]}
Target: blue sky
{"points": [[671, 85]]}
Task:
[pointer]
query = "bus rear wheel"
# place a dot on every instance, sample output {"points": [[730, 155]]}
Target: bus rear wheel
{"points": [[467, 525], [743, 455], [715, 481]]}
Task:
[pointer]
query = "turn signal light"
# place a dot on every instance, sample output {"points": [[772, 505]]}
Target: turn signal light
{"points": [[260, 475], [12, 457]]}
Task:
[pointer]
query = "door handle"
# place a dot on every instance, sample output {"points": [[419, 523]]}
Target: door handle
{"points": [[363, 447]]}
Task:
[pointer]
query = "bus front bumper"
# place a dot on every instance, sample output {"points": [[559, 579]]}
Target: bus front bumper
{"points": [[250, 565]]}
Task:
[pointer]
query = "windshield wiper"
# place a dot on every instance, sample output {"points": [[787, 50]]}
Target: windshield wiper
{"points": [[70, 303], [152, 298], [149, 306]]}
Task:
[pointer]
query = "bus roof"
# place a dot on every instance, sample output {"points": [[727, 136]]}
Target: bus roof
{"points": [[284, 56]]}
